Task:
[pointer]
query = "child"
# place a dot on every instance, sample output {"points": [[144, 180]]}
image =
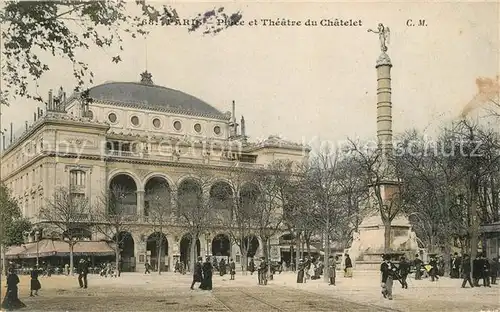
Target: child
{"points": [[35, 283]]}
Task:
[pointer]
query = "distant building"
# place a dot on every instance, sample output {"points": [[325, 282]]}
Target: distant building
{"points": [[137, 135], [491, 239]]}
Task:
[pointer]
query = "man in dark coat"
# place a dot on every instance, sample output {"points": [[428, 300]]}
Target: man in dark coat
{"points": [[466, 270], [494, 271], [455, 266], [232, 268], [477, 269], [222, 267], [332, 265], [387, 269], [433, 272], [251, 266], [418, 267], [198, 272], [207, 269], [486, 271], [83, 270], [404, 270]]}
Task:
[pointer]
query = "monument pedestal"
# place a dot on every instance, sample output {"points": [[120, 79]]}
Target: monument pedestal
{"points": [[368, 243]]}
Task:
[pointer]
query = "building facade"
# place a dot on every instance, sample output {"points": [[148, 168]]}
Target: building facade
{"points": [[137, 135]]}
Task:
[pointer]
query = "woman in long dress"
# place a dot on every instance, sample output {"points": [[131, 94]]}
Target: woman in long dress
{"points": [[207, 268], [11, 300], [35, 285]]}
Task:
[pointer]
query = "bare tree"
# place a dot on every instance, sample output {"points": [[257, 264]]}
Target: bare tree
{"points": [[159, 214], [384, 185], [274, 184], [110, 218], [69, 215], [234, 208], [332, 217], [194, 208]]}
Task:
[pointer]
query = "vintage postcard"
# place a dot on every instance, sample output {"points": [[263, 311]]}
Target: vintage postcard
{"points": [[249, 156]]}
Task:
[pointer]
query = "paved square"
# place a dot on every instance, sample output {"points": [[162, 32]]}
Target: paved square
{"points": [[170, 292]]}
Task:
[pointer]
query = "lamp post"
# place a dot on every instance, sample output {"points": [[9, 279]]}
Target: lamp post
{"points": [[37, 237]]}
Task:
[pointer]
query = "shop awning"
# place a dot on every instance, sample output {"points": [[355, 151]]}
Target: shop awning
{"points": [[47, 248]]}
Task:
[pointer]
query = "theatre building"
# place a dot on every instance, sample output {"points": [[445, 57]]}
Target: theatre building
{"points": [[137, 135]]}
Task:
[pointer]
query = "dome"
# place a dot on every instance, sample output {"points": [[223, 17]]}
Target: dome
{"points": [[147, 95]]}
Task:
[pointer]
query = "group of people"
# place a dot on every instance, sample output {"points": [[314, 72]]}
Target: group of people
{"points": [[11, 300]]}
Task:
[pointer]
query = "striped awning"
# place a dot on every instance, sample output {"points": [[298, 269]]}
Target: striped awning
{"points": [[47, 248]]}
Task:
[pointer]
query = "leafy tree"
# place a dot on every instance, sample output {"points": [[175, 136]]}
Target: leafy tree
{"points": [[9, 213], [35, 31], [14, 231]]}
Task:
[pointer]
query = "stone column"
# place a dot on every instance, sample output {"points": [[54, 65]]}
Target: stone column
{"points": [[140, 204], [384, 102]]}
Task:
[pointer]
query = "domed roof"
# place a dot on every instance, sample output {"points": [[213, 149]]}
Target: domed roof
{"points": [[147, 95]]}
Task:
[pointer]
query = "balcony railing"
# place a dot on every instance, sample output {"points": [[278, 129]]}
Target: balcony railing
{"points": [[212, 160]]}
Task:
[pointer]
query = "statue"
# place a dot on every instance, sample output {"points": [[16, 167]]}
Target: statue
{"points": [[383, 35]]}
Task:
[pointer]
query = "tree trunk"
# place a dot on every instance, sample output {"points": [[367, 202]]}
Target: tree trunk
{"points": [[244, 262], [158, 261], [71, 262], [387, 235], [117, 255], [192, 257], [308, 244], [326, 273], [297, 251], [474, 226], [4, 260]]}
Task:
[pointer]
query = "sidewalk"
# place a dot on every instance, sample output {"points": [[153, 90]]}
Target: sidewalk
{"points": [[421, 295]]}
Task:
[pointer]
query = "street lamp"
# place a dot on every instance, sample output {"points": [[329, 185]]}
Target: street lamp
{"points": [[37, 238]]}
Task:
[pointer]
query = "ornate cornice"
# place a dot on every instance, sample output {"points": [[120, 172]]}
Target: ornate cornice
{"points": [[54, 118], [164, 109]]}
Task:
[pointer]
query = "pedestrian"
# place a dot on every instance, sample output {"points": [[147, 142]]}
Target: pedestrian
{"points": [[466, 271], [477, 269], [440, 266], [387, 269], [147, 268], [455, 266], [83, 270], [207, 270], [404, 270], [300, 271], [262, 272], [485, 270], [433, 271], [232, 269], [417, 263], [251, 266], [332, 265], [35, 285], [222, 267], [11, 300], [66, 269], [494, 270], [198, 272], [348, 266]]}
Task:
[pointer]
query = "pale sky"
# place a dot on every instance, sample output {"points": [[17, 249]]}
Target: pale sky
{"points": [[311, 83]]}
